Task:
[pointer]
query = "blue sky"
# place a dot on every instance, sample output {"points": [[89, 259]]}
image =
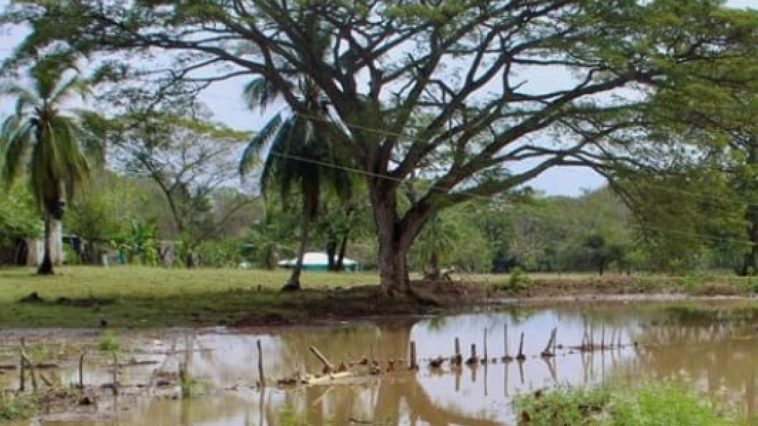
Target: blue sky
{"points": [[225, 101]]}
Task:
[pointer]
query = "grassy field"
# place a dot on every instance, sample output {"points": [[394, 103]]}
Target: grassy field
{"points": [[134, 296]]}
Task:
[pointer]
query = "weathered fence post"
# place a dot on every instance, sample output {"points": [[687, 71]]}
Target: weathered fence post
{"points": [[486, 358], [474, 359], [414, 363], [261, 377], [521, 355], [81, 371]]}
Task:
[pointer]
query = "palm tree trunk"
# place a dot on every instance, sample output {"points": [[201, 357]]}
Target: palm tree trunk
{"points": [[46, 267], [293, 283]]}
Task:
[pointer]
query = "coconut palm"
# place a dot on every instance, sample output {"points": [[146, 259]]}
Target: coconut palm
{"points": [[44, 144], [299, 157]]}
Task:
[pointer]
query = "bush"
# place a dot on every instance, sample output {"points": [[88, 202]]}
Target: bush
{"points": [[664, 403], [518, 282], [220, 253]]}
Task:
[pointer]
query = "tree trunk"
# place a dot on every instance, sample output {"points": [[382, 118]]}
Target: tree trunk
{"points": [[434, 265], [46, 267], [393, 266], [340, 266], [189, 260], [293, 283], [331, 252], [750, 260]]}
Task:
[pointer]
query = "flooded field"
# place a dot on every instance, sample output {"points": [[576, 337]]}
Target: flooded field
{"points": [[714, 347]]}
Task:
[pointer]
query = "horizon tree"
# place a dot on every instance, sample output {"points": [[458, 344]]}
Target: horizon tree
{"points": [[43, 143], [463, 65], [189, 159]]}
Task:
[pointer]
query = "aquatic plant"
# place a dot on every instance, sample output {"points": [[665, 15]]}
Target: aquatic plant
{"points": [[109, 342], [666, 403], [16, 407]]}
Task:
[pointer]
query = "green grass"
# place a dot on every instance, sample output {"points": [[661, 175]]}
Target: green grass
{"points": [[16, 408], [134, 296], [653, 404], [542, 284]]}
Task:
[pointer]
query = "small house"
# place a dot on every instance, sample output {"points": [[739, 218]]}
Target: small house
{"points": [[318, 261]]}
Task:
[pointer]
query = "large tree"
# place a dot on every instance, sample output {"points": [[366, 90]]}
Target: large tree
{"points": [[190, 159], [704, 119], [43, 143], [463, 65]]}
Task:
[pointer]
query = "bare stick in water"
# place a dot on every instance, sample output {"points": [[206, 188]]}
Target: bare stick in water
{"points": [[485, 346], [521, 355], [81, 371], [115, 373], [474, 359], [262, 378], [22, 372], [25, 359], [548, 352], [328, 366], [414, 362]]}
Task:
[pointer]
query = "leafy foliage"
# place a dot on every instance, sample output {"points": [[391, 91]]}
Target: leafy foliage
{"points": [[19, 217]]}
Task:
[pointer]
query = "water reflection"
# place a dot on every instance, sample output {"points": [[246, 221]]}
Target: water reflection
{"points": [[716, 348]]}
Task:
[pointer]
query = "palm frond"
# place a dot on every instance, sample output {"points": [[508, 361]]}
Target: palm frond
{"points": [[95, 130], [256, 147], [48, 71], [259, 93], [69, 87], [15, 137], [23, 96]]}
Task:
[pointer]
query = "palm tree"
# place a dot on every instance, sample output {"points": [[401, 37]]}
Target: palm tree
{"points": [[44, 144], [299, 155]]}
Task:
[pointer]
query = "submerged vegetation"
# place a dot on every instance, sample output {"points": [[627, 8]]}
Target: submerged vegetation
{"points": [[666, 403]]}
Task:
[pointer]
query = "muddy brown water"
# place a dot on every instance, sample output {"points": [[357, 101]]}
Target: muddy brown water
{"points": [[711, 347]]}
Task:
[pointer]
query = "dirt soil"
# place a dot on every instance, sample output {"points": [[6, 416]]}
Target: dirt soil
{"points": [[435, 297]]}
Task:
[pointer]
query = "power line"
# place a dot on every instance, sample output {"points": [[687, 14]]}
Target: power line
{"points": [[490, 198]]}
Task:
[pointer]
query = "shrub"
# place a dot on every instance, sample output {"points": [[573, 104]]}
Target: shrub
{"points": [[518, 282]]}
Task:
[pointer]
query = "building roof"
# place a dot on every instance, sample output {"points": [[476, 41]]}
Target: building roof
{"points": [[315, 258]]}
